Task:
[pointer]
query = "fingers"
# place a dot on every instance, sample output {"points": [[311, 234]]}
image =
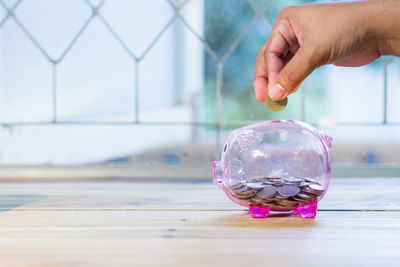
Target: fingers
{"points": [[293, 73], [260, 76], [281, 64], [275, 55], [281, 48]]}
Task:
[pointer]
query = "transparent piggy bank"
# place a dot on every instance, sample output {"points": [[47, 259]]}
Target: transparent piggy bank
{"points": [[275, 166]]}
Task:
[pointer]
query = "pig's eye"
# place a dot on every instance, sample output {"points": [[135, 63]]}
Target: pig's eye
{"points": [[225, 147]]}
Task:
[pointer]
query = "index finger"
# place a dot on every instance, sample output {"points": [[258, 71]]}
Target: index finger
{"points": [[261, 75], [282, 45], [275, 54]]}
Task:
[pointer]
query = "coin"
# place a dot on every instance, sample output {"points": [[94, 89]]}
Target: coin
{"points": [[237, 185], [312, 181], [243, 192], [304, 198], [273, 181], [288, 190], [248, 195], [255, 185], [316, 187], [259, 200], [275, 192], [275, 105], [246, 201], [289, 204], [257, 180], [293, 180], [303, 184], [268, 191], [238, 190]]}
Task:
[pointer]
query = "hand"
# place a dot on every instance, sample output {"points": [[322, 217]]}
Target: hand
{"points": [[305, 37]]}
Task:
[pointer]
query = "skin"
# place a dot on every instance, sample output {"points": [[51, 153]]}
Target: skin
{"points": [[349, 34]]}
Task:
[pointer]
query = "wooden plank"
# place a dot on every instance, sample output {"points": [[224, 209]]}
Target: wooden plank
{"points": [[211, 238], [203, 172], [363, 194], [104, 171], [192, 224], [343, 194]]}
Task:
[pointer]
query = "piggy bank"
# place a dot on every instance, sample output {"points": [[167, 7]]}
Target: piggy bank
{"points": [[279, 165]]}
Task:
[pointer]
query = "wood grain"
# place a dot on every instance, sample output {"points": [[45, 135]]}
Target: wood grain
{"points": [[119, 223], [348, 194]]}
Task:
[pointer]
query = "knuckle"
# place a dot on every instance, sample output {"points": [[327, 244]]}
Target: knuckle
{"points": [[317, 56], [286, 11], [260, 51], [290, 79]]}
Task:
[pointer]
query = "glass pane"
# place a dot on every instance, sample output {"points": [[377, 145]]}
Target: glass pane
{"points": [[137, 23], [10, 3], [25, 78], [336, 95], [171, 78], [316, 101], [369, 145], [137, 144], [393, 86], [96, 79], [222, 26], [3, 13], [274, 7], [238, 76], [146, 62], [59, 23]]}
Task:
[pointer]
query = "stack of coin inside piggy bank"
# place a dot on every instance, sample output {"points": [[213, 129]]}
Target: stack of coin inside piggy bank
{"points": [[275, 165], [286, 193]]}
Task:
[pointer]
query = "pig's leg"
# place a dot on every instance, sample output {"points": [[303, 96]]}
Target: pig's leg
{"points": [[258, 212], [308, 210]]}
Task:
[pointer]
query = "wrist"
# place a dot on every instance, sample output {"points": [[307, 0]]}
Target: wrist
{"points": [[383, 24]]}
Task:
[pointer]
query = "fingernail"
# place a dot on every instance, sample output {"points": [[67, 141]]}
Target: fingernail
{"points": [[276, 92]]}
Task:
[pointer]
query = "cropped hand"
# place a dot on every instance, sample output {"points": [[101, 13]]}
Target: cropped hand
{"points": [[305, 37]]}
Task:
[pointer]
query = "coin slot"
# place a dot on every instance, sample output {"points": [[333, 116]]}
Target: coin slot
{"points": [[225, 147]]}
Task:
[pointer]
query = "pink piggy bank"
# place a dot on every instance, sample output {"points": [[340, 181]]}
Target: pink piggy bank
{"points": [[275, 166]]}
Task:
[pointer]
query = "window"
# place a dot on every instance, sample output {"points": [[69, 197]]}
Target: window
{"points": [[163, 82]]}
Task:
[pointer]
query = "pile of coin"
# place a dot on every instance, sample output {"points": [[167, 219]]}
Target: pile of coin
{"points": [[283, 193]]}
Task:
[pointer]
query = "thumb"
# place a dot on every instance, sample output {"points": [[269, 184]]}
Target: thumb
{"points": [[293, 73]]}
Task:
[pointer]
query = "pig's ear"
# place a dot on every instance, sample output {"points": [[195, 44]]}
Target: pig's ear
{"points": [[247, 139]]}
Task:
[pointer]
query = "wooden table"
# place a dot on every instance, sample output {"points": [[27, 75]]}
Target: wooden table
{"points": [[192, 223]]}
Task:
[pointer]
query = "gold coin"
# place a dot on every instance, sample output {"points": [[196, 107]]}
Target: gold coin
{"points": [[275, 105]]}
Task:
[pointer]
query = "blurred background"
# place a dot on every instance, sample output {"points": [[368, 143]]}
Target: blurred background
{"points": [[161, 83]]}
